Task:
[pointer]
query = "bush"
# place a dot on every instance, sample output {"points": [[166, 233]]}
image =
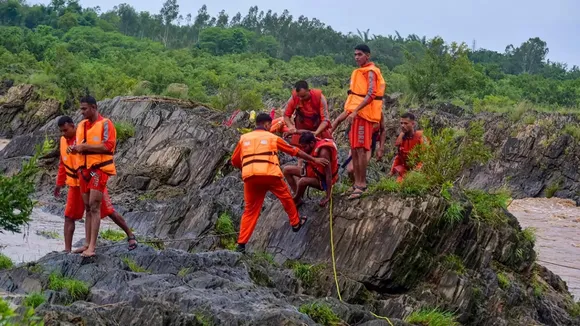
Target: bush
{"points": [[454, 263], [8, 317], [34, 300], [125, 130], [385, 184], [133, 266], [75, 288], [321, 314], [177, 91], [113, 235], [415, 184], [432, 317], [5, 262], [503, 280], [306, 273], [489, 207], [454, 213], [225, 228]]}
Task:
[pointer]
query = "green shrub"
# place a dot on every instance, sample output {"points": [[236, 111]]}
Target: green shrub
{"points": [[125, 130], [415, 184], [489, 207], [8, 316], [454, 263], [553, 188], [5, 262], [183, 272], [113, 235], [432, 317], [529, 234], [503, 280], [385, 184], [306, 273], [573, 131], [225, 228], [321, 314], [453, 214], [133, 266], [75, 288], [177, 91], [34, 300]]}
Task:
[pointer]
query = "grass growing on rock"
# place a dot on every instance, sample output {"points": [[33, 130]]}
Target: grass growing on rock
{"points": [[432, 317], [125, 130], [454, 263], [34, 300], [263, 257], [552, 189], [573, 131], [112, 235], [5, 262], [502, 280], [75, 288], [529, 234], [225, 228], [454, 213], [306, 273], [321, 314], [133, 266], [489, 207], [183, 272]]}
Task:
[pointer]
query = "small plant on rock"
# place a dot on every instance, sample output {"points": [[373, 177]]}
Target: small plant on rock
{"points": [[133, 266], [385, 184], [454, 263], [112, 235], [489, 207], [503, 281], [5, 262], [34, 300], [225, 228], [321, 314], [8, 316], [75, 288], [529, 234], [432, 317], [304, 272], [454, 213], [125, 130], [183, 272]]}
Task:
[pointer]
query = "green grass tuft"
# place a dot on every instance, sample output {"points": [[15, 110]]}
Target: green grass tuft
{"points": [[75, 288], [34, 300], [264, 257], [415, 184], [503, 280], [552, 189], [385, 184], [306, 273], [321, 314], [573, 131], [113, 235], [454, 263], [133, 266], [5, 262], [183, 272], [529, 234], [125, 130], [488, 207], [454, 213], [225, 228], [432, 317]]}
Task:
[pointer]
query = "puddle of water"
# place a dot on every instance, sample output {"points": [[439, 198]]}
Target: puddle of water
{"points": [[557, 223]]}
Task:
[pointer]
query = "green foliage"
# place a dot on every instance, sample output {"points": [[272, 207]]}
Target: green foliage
{"points": [[432, 317], [321, 314], [15, 203], [306, 273], [529, 234], [263, 257], [49, 234], [503, 280], [8, 316], [415, 184], [112, 235], [572, 130], [34, 300], [385, 184], [574, 308], [183, 272], [454, 213], [454, 263], [225, 228], [75, 288], [5, 262], [202, 319], [133, 266], [489, 207], [125, 130]]}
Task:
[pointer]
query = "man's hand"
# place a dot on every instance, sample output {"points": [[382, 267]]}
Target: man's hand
{"points": [[380, 153], [350, 117], [57, 191], [80, 148], [323, 202], [291, 130], [321, 161]]}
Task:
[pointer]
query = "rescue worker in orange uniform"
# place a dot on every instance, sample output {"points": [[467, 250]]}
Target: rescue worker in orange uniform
{"points": [[311, 174], [256, 154], [406, 141], [278, 125], [75, 207], [311, 110], [95, 144], [364, 105]]}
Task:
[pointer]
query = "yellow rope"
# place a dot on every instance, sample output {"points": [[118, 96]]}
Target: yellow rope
{"points": [[334, 266]]}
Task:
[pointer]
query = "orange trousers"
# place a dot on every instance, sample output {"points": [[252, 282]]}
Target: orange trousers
{"points": [[255, 189]]}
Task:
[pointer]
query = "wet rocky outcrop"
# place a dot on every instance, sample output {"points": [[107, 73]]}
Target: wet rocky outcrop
{"points": [[394, 255]]}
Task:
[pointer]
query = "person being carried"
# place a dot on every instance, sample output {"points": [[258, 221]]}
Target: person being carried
{"points": [[311, 113], [75, 207], [95, 144], [406, 141], [379, 135], [364, 105], [278, 125], [256, 154], [312, 174]]}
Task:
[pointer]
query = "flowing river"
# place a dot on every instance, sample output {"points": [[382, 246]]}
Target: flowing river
{"points": [[557, 224]]}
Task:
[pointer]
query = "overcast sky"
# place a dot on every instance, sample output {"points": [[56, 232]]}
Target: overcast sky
{"points": [[493, 24]]}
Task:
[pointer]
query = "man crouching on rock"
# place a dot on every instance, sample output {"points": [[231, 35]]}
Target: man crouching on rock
{"points": [[95, 143], [257, 155], [319, 177], [75, 207]]}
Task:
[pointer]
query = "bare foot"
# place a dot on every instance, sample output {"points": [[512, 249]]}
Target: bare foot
{"points": [[88, 253], [81, 249]]}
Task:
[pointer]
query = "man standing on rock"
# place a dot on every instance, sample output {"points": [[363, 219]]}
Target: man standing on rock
{"points": [[364, 106], [75, 207], [311, 111], [406, 141], [95, 144], [314, 175], [256, 154]]}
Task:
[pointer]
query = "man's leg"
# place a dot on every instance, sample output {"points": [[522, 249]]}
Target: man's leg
{"points": [[69, 230], [304, 183], [74, 210], [279, 188], [85, 197], [292, 173], [350, 168], [360, 140], [254, 194], [95, 198], [107, 209], [361, 168]]}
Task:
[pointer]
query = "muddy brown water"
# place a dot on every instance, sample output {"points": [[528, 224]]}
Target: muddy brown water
{"points": [[557, 224]]}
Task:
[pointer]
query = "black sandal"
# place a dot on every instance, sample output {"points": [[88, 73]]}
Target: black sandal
{"points": [[133, 245], [299, 226], [357, 194]]}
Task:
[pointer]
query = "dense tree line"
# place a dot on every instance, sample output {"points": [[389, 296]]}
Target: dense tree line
{"points": [[241, 60]]}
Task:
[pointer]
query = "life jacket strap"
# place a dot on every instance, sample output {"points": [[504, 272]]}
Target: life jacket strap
{"points": [[377, 98]]}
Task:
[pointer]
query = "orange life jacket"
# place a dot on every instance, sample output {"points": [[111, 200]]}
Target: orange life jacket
{"points": [[94, 136], [260, 155], [307, 117], [70, 164], [278, 126], [359, 85], [320, 170], [406, 144]]}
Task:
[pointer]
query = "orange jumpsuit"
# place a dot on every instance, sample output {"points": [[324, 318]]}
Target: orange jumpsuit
{"points": [[309, 114], [405, 145], [257, 155]]}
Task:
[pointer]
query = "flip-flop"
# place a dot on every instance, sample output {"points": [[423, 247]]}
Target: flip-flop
{"points": [[299, 226], [88, 256], [134, 245], [357, 194]]}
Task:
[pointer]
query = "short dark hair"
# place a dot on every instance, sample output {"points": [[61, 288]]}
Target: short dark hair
{"points": [[64, 120], [263, 118], [408, 115], [89, 100], [301, 84], [364, 48], [306, 138]]}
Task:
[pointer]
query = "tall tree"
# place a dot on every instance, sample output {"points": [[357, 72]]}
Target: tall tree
{"points": [[169, 12]]}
